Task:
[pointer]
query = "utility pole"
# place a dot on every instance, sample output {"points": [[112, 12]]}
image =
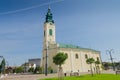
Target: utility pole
{"points": [[111, 51], [46, 65]]}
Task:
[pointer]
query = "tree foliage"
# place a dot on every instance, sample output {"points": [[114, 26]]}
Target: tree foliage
{"points": [[19, 69], [97, 66], [60, 58], [50, 70], [2, 66], [90, 61], [38, 70], [97, 62], [31, 69]]}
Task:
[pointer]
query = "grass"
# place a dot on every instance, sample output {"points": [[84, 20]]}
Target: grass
{"points": [[89, 77]]}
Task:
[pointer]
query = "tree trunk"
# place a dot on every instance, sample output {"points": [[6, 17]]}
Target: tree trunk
{"points": [[91, 69], [96, 69], [60, 73]]}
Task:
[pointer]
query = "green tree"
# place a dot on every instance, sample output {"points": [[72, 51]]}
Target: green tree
{"points": [[90, 61], [106, 65], [2, 65], [50, 70], [19, 69], [0, 69], [31, 69], [97, 66], [59, 59], [38, 70]]}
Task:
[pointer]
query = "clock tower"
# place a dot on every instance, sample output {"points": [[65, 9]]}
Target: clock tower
{"points": [[49, 40], [49, 29]]}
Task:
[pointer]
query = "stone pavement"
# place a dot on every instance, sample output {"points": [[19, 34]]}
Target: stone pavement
{"points": [[40, 76], [28, 77]]}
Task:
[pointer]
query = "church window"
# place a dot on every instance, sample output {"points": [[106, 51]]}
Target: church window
{"points": [[50, 32], [76, 56], [86, 56], [98, 59]]}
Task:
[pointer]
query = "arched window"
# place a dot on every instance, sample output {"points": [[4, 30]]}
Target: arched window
{"points": [[76, 56], [50, 32], [98, 59], [86, 56]]}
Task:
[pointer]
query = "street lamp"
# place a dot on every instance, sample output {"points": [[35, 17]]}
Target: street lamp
{"points": [[109, 52], [46, 56]]}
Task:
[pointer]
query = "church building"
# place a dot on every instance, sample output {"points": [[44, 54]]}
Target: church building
{"points": [[77, 56]]}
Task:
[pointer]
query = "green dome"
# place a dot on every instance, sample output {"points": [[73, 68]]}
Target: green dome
{"points": [[49, 16]]}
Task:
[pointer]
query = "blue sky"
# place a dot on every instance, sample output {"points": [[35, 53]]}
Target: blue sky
{"points": [[87, 23]]}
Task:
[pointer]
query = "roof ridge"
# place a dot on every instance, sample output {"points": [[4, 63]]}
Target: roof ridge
{"points": [[61, 45]]}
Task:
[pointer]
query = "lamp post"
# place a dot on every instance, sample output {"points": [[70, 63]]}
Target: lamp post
{"points": [[46, 64], [46, 57], [109, 52]]}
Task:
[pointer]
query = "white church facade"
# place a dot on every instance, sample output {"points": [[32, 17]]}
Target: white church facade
{"points": [[77, 56]]}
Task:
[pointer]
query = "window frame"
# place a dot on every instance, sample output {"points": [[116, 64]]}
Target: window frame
{"points": [[76, 56], [86, 56], [50, 32]]}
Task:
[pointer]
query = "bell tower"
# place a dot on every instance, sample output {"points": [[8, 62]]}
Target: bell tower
{"points": [[49, 29], [48, 40]]}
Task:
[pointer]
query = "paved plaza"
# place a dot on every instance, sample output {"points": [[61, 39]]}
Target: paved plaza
{"points": [[39, 76], [28, 77]]}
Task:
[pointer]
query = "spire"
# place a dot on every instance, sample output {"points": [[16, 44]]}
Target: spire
{"points": [[49, 16], [49, 7]]}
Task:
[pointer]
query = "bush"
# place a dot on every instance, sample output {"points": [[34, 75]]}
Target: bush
{"points": [[19, 70], [38, 70], [31, 69]]}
